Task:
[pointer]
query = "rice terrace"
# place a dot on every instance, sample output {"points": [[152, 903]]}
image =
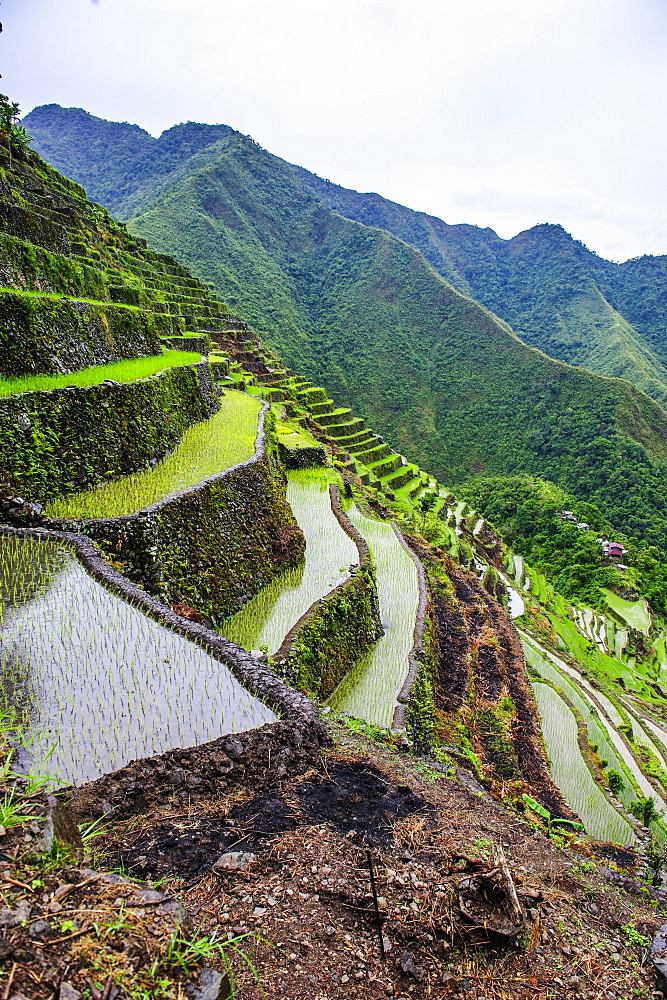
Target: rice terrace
{"points": [[286, 711]]}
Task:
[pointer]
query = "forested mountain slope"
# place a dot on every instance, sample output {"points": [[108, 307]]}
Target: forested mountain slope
{"points": [[441, 377], [555, 293]]}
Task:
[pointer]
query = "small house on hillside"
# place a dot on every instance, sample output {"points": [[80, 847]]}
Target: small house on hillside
{"points": [[613, 550]]}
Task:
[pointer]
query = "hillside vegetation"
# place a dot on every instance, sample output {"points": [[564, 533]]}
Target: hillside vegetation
{"points": [[554, 292], [441, 377]]}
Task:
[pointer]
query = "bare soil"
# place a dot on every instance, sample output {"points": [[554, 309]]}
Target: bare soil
{"points": [[304, 908]]}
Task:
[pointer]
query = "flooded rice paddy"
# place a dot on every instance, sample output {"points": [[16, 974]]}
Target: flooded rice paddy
{"points": [[97, 681], [570, 772], [369, 692], [266, 620], [206, 449]]}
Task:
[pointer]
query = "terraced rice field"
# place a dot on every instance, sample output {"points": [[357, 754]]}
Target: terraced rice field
{"points": [[119, 371], [569, 770], [634, 613], [265, 621], [97, 681], [206, 449], [369, 692]]}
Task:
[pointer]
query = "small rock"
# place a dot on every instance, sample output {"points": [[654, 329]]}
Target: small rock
{"points": [[67, 992], [142, 896], [329, 931], [177, 910], [259, 911], [12, 918], [54, 906], [593, 908], [234, 748], [344, 978], [212, 986], [2, 831], [234, 860], [407, 964], [7, 947], [39, 928], [386, 943]]}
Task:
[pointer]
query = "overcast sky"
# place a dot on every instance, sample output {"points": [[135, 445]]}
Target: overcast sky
{"points": [[501, 113]]}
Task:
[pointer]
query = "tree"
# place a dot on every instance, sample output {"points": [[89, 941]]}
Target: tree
{"points": [[426, 503], [10, 131]]}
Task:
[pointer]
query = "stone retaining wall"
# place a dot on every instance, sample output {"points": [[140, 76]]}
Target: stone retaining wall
{"points": [[40, 335], [337, 630], [214, 545], [60, 441]]}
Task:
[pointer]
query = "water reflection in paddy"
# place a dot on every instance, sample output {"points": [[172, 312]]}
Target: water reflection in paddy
{"points": [[267, 619], [98, 680], [369, 692]]}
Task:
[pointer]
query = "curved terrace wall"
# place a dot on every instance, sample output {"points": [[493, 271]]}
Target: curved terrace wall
{"points": [[209, 767], [214, 545], [333, 634], [40, 335], [59, 441]]}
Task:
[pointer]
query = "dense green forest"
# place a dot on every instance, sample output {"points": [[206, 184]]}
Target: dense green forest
{"points": [[525, 510], [442, 378], [555, 293]]}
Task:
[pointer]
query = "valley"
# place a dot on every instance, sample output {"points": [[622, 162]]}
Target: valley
{"points": [[243, 614]]}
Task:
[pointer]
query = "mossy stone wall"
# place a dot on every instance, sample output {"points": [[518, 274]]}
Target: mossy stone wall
{"points": [[57, 442], [334, 635], [45, 336], [35, 269], [326, 642], [213, 547]]}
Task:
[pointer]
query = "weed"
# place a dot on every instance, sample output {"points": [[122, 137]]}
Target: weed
{"points": [[632, 936], [187, 953], [10, 810]]}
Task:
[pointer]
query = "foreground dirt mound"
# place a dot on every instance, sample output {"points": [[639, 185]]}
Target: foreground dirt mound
{"points": [[352, 798], [279, 864]]}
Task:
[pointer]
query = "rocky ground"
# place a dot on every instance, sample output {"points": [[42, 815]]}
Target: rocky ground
{"points": [[275, 880]]}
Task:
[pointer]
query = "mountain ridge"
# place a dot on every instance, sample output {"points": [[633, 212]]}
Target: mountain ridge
{"points": [[435, 372]]}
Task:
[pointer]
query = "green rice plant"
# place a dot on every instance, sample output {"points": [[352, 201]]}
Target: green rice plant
{"points": [[570, 771], [83, 651], [266, 619], [206, 449], [369, 691], [187, 953], [119, 371]]}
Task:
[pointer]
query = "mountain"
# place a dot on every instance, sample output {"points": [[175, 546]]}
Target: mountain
{"points": [[555, 293], [438, 374], [120, 165]]}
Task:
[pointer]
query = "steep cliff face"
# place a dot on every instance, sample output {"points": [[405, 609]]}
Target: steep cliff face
{"points": [[554, 292]]}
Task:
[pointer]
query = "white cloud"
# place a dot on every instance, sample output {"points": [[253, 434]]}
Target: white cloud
{"points": [[502, 114]]}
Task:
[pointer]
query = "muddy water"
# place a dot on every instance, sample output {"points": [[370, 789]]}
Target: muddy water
{"points": [[266, 620], [100, 683], [369, 692]]}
